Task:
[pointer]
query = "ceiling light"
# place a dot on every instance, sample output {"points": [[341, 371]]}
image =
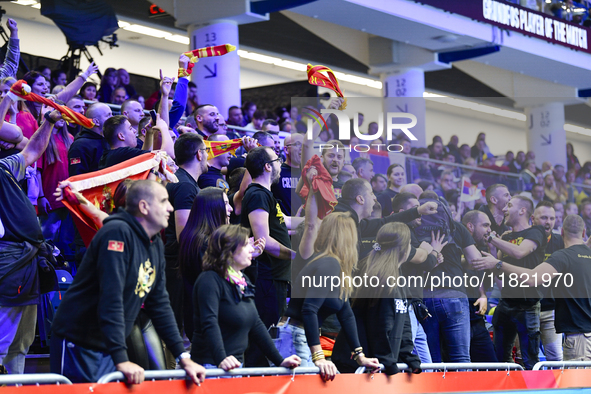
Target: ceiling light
{"points": [[25, 2], [178, 38], [577, 129], [148, 31], [487, 109]]}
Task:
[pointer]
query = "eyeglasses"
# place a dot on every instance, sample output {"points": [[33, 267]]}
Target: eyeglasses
{"points": [[279, 159]]}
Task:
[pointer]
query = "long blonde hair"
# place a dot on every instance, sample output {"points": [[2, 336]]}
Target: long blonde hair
{"points": [[337, 238], [394, 244]]}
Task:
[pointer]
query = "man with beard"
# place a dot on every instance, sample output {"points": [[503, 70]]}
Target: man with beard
{"points": [[207, 117], [214, 177], [545, 216], [497, 196], [333, 158], [481, 347], [518, 311], [262, 214], [284, 190], [191, 157]]}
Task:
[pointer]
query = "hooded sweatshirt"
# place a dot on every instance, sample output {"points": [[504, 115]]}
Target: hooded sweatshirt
{"points": [[121, 270], [85, 152]]}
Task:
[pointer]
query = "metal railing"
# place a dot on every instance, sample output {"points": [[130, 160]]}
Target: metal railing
{"points": [[34, 379], [213, 373], [543, 365], [444, 367]]}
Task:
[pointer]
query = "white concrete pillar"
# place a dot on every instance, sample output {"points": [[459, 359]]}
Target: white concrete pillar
{"points": [[545, 133], [217, 78]]}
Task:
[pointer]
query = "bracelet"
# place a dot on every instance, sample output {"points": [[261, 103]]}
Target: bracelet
{"points": [[47, 117], [319, 355], [358, 355]]}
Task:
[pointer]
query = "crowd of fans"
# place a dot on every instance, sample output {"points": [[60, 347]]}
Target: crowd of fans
{"points": [[216, 261], [570, 10]]}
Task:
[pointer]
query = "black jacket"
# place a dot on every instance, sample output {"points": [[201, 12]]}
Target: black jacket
{"points": [[384, 331], [85, 152], [121, 270]]}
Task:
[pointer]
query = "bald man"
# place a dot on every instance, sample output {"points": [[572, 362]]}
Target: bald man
{"points": [[284, 190], [412, 188]]}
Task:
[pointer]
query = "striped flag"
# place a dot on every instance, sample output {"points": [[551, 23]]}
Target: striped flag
{"points": [[217, 148], [470, 192]]}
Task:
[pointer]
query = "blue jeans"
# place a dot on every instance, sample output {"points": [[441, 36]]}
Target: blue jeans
{"points": [[419, 338], [292, 340], [448, 328], [511, 320]]}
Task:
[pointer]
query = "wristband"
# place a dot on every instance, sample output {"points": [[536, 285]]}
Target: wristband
{"points": [[48, 118], [182, 356]]}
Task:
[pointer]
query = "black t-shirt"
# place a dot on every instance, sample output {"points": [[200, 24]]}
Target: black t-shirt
{"points": [[181, 196], [573, 294], [119, 155], [514, 294], [284, 190], [259, 197], [385, 199], [555, 243], [17, 214], [337, 186], [452, 259], [499, 229], [213, 178], [235, 162], [139, 143]]}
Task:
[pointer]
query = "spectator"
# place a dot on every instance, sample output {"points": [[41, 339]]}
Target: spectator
{"points": [[257, 120], [559, 221], [585, 210], [58, 77], [437, 150], [497, 197], [134, 112], [224, 312], [125, 82], [571, 209], [518, 164], [571, 160], [551, 192], [379, 183], [446, 183], [88, 146], [208, 120], [107, 278], [235, 117], [109, 82], [396, 179], [248, 111], [286, 126], [118, 96], [518, 312], [214, 177], [88, 91], [192, 99], [363, 168], [10, 65], [21, 237], [285, 190], [528, 175], [45, 71], [509, 157], [479, 149], [464, 153], [424, 167]]}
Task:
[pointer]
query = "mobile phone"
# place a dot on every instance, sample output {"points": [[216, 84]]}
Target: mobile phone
{"points": [[153, 115]]}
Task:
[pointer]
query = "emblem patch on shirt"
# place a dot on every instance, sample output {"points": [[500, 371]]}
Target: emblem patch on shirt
{"points": [[75, 160], [116, 246], [145, 279]]}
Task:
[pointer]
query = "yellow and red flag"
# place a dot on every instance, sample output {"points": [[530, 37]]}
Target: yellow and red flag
{"points": [[315, 77], [23, 90], [217, 148], [199, 53], [99, 187]]}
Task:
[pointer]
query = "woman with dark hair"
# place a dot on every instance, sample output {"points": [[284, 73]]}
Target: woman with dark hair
{"points": [[38, 85], [572, 161], [381, 311], [109, 82], [396, 179], [211, 209], [225, 315], [88, 91], [58, 77]]}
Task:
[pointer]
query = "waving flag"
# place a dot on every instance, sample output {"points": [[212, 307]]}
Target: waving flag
{"points": [[217, 148], [99, 187], [470, 192], [23, 90], [315, 77], [199, 53]]}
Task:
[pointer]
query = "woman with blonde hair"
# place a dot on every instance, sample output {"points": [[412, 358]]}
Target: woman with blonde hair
{"points": [[381, 308], [314, 298]]}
